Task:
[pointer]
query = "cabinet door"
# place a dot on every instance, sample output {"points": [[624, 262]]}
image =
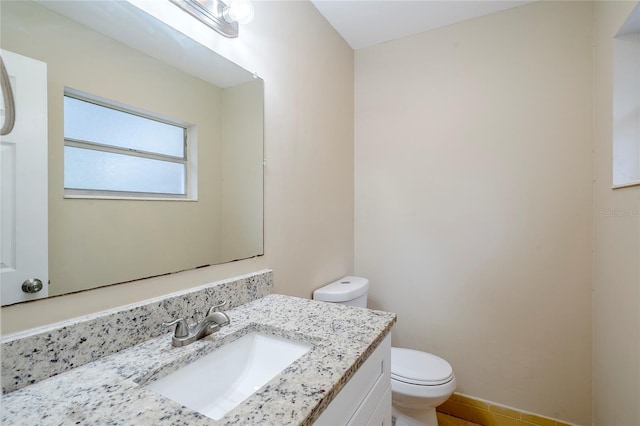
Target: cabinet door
{"points": [[374, 400], [361, 396]]}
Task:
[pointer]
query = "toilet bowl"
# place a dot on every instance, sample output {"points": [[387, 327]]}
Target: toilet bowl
{"points": [[420, 381]]}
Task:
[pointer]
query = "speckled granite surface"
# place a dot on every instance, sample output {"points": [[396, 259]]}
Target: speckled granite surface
{"points": [[110, 390], [37, 354]]}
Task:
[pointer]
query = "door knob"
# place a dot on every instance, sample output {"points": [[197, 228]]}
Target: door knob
{"points": [[32, 285]]}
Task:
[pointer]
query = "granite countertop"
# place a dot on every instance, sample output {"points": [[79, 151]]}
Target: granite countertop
{"points": [[110, 390]]}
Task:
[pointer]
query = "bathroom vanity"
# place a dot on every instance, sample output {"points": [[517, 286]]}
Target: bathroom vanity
{"points": [[100, 369]]}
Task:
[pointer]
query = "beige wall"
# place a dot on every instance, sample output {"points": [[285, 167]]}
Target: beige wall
{"points": [[616, 307], [242, 171], [474, 201], [308, 74]]}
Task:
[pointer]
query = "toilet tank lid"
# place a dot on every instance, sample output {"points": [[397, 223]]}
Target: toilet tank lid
{"points": [[342, 290]]}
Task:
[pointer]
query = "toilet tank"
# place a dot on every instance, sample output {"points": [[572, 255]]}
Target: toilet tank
{"points": [[347, 291]]}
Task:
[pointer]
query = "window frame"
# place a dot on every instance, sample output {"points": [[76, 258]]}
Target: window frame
{"points": [[188, 160], [626, 103]]}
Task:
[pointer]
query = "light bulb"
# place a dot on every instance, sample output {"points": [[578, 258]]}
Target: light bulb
{"points": [[240, 11]]}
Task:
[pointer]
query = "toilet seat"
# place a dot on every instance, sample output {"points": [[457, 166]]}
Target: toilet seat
{"points": [[419, 368]]}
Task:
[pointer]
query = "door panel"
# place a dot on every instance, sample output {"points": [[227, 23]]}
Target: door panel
{"points": [[23, 182]]}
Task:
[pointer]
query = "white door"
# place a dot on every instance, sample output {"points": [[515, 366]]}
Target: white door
{"points": [[23, 184]]}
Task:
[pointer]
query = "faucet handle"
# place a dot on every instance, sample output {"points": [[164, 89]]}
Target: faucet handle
{"points": [[182, 328], [215, 307]]}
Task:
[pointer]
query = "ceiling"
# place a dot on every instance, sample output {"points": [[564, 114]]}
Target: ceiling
{"points": [[365, 23]]}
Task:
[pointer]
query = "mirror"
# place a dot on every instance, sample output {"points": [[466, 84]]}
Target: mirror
{"points": [[115, 51]]}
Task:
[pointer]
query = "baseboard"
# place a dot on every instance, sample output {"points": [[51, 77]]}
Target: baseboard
{"points": [[487, 413]]}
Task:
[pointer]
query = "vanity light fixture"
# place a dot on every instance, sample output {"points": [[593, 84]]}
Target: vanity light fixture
{"points": [[240, 11], [222, 16]]}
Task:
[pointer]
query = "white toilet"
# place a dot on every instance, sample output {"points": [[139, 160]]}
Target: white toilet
{"points": [[419, 381]]}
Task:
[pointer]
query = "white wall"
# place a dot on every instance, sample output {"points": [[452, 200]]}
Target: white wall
{"points": [[473, 188], [616, 307], [308, 74]]}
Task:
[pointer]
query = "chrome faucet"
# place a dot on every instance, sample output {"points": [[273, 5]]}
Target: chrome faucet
{"points": [[186, 334]]}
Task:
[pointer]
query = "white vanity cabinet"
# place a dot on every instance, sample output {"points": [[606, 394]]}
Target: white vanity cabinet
{"points": [[366, 398]]}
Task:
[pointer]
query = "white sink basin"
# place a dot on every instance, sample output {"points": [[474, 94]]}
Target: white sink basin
{"points": [[217, 383]]}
